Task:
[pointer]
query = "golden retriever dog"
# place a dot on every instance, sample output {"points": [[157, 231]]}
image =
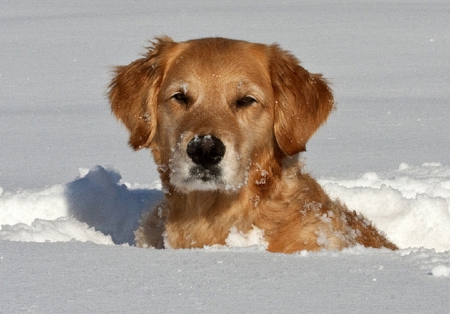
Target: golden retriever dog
{"points": [[225, 121]]}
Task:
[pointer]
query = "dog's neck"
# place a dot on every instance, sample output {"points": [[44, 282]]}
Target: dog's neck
{"points": [[197, 213]]}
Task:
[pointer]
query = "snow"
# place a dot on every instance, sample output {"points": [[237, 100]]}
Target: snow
{"points": [[66, 236], [411, 205], [76, 278], [69, 212], [440, 271], [255, 238]]}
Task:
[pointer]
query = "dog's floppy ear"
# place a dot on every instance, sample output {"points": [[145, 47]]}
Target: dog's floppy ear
{"points": [[133, 92], [302, 101]]}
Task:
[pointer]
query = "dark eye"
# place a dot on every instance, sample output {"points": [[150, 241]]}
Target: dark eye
{"points": [[245, 101], [181, 98]]}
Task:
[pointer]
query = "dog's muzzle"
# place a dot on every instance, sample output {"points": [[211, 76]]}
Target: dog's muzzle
{"points": [[206, 151]]}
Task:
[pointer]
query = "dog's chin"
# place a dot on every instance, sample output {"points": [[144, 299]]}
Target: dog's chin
{"points": [[195, 185], [199, 179]]}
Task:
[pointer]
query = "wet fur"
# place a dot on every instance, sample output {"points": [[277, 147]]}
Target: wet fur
{"points": [[262, 184]]}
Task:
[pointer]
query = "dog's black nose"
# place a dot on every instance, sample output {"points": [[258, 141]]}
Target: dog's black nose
{"points": [[206, 150]]}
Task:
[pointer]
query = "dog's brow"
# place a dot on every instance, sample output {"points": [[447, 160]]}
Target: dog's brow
{"points": [[249, 88], [176, 87]]}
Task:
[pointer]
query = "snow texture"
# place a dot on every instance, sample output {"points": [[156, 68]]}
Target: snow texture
{"points": [[66, 241], [411, 205]]}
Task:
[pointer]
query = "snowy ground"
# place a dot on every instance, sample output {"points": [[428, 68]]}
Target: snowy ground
{"points": [[385, 151]]}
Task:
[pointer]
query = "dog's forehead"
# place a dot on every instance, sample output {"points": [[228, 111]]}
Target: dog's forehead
{"points": [[219, 58]]}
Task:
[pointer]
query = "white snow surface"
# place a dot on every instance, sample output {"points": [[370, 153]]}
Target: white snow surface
{"points": [[66, 235]]}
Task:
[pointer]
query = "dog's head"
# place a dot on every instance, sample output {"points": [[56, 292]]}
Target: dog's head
{"points": [[209, 108]]}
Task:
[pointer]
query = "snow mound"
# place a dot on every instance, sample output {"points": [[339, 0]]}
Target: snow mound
{"points": [[101, 200], [441, 271], [62, 230], [237, 238], [26, 206], [410, 204], [95, 207]]}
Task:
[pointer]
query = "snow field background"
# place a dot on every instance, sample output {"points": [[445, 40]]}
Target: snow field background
{"points": [[65, 234]]}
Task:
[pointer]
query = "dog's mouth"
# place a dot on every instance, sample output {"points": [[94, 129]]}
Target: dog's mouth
{"points": [[210, 174]]}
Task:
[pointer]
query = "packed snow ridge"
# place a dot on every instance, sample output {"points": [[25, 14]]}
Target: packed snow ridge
{"points": [[411, 205]]}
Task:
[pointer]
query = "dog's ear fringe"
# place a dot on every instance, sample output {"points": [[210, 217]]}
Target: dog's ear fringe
{"points": [[303, 101], [133, 92], [157, 43]]}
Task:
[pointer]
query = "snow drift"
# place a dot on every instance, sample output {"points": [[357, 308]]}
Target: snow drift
{"points": [[411, 205]]}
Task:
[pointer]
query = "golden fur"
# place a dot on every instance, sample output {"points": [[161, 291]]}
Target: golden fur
{"points": [[225, 121]]}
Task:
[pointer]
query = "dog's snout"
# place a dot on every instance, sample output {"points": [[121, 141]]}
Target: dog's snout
{"points": [[206, 150]]}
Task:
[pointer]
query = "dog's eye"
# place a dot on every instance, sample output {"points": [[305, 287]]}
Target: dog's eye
{"points": [[181, 98], [245, 101]]}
